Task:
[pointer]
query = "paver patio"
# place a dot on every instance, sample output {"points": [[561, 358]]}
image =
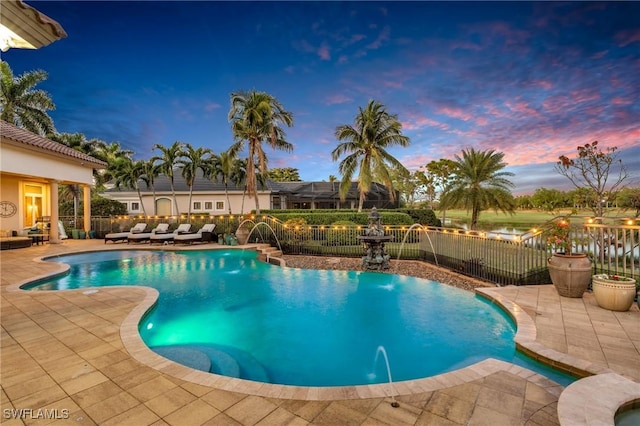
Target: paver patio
{"points": [[69, 353]]}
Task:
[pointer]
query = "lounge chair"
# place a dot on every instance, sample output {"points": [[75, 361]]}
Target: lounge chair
{"points": [[196, 236], [162, 228], [169, 236], [121, 236]]}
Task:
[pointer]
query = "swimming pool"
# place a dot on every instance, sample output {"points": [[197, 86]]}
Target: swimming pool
{"points": [[301, 327]]}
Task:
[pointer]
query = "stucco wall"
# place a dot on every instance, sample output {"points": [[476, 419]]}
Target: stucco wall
{"points": [[183, 202], [10, 191], [33, 163]]}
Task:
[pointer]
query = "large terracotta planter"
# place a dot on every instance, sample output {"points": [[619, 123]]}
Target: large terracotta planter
{"points": [[242, 234], [570, 273], [612, 294]]}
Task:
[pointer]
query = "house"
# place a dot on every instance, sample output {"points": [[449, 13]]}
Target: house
{"points": [[210, 197], [32, 167], [31, 170]]}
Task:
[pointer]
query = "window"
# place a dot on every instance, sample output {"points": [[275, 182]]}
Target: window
{"points": [[197, 205], [135, 206], [208, 205], [219, 205]]}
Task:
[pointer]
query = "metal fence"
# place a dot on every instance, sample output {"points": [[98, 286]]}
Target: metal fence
{"points": [[500, 258]]}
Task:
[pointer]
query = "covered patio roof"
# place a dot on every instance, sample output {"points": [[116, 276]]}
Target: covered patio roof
{"points": [[22, 26]]}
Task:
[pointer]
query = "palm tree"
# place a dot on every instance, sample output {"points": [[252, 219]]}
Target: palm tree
{"points": [[365, 142], [167, 163], [284, 174], [23, 105], [128, 173], [192, 160], [226, 168], [256, 117], [110, 153], [151, 172], [79, 142], [479, 184]]}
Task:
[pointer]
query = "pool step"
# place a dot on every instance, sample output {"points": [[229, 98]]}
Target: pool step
{"points": [[185, 355], [219, 359], [268, 252]]}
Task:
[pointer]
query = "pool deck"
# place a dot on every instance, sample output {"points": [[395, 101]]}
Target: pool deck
{"points": [[76, 356]]}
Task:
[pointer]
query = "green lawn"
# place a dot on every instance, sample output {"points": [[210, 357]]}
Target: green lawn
{"points": [[522, 220]]}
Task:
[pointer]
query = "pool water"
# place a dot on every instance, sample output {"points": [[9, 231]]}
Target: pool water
{"points": [[301, 327]]}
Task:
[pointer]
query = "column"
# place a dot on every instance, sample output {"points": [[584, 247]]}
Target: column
{"points": [[54, 232], [86, 199]]}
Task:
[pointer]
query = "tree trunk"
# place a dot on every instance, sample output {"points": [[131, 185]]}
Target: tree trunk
{"points": [[190, 198], [175, 201], [361, 202], [226, 192], [153, 191], [144, 211]]}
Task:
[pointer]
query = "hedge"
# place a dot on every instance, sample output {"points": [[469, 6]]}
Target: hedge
{"points": [[389, 216]]}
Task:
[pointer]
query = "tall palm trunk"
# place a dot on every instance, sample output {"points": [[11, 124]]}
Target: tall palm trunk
{"points": [[144, 211], [175, 200], [190, 198], [361, 202], [226, 192], [251, 174], [153, 191], [244, 194]]}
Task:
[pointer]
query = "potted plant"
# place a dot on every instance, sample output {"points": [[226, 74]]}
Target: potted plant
{"points": [[570, 272], [614, 292]]}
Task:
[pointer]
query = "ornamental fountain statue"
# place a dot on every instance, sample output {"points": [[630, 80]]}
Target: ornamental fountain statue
{"points": [[373, 241]]}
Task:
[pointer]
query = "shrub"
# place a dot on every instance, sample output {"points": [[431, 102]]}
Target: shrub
{"points": [[388, 218], [296, 228], [340, 236], [425, 217]]}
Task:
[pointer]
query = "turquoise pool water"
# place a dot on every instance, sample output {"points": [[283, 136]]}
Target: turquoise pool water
{"points": [[300, 327]]}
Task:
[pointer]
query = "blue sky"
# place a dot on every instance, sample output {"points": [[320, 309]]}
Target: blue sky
{"points": [[532, 80]]}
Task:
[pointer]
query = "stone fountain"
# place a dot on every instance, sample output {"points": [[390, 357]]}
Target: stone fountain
{"points": [[373, 241]]}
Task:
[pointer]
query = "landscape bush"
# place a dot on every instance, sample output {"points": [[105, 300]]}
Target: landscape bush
{"points": [[340, 236]]}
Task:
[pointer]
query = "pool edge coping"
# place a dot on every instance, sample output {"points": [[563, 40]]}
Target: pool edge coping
{"points": [[137, 349]]}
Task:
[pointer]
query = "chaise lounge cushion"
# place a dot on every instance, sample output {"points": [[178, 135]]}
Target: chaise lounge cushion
{"points": [[121, 236], [162, 228], [169, 236], [190, 238]]}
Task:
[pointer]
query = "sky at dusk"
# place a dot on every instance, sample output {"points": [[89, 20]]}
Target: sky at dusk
{"points": [[531, 80]]}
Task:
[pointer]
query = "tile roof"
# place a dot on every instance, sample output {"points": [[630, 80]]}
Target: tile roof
{"points": [[25, 137]]}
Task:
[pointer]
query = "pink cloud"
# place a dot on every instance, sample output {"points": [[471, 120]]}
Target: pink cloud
{"points": [[356, 38], [585, 95], [211, 106], [523, 108], [418, 122], [337, 99], [621, 101], [543, 84], [382, 38], [599, 55], [627, 37], [323, 52], [455, 113]]}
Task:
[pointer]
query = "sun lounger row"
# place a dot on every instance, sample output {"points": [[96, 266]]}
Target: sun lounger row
{"points": [[123, 236], [167, 237], [161, 234]]}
